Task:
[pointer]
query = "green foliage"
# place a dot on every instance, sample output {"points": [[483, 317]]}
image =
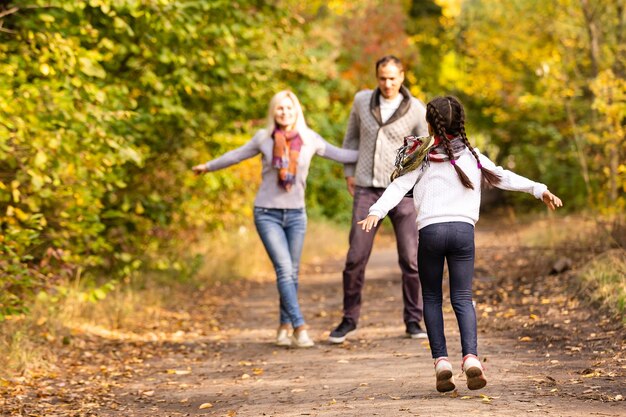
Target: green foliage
{"points": [[106, 104]]}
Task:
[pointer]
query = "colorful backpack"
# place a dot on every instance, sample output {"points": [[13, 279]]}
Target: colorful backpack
{"points": [[411, 154]]}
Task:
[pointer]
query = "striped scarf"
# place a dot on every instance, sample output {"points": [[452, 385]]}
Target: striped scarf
{"points": [[421, 150], [287, 147], [413, 151], [438, 152]]}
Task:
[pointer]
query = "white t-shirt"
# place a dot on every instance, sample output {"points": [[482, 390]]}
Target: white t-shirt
{"points": [[389, 107]]}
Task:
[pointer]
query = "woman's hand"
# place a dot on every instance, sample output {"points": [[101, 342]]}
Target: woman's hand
{"points": [[199, 169], [551, 200], [368, 223]]}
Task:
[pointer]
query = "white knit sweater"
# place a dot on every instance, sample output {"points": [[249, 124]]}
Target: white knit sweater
{"points": [[439, 195]]}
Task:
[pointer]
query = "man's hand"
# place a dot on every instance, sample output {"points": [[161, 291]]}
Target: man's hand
{"points": [[351, 183], [551, 200], [199, 169], [370, 222]]}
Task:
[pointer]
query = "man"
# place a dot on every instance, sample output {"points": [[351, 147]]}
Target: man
{"points": [[379, 121]]}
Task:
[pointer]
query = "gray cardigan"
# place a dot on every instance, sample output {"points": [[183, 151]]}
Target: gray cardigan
{"points": [[378, 142], [271, 194]]}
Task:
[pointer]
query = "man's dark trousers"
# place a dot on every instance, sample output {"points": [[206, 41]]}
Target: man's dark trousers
{"points": [[403, 218]]}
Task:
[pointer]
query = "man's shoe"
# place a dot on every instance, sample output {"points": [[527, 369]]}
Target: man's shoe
{"points": [[338, 335], [414, 331]]}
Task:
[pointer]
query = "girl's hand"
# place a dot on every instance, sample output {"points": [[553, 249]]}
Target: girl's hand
{"points": [[368, 223], [551, 200], [199, 169]]}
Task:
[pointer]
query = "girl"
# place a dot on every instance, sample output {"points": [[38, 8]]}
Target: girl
{"points": [[286, 146], [446, 193]]}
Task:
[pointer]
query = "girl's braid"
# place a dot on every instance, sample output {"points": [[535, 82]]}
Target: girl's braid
{"points": [[440, 130], [489, 176]]}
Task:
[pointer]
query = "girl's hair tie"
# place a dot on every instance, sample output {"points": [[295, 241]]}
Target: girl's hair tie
{"points": [[453, 162], [480, 166]]}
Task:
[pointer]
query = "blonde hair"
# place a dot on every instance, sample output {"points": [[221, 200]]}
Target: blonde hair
{"points": [[300, 126]]}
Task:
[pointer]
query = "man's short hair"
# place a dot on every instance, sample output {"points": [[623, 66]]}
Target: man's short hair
{"points": [[389, 59]]}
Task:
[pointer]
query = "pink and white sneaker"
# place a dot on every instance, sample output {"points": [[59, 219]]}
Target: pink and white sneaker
{"points": [[474, 372], [443, 371]]}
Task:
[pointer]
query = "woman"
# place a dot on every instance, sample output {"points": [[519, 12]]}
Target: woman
{"points": [[446, 194], [287, 146]]}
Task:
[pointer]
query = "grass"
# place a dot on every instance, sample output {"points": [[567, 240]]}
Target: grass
{"points": [[598, 247], [604, 279]]}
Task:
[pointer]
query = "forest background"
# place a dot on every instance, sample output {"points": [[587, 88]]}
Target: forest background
{"points": [[106, 104]]}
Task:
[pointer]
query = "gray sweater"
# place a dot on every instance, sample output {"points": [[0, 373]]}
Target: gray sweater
{"points": [[271, 194], [376, 141]]}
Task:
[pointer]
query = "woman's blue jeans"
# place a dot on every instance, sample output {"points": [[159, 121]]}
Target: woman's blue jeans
{"points": [[282, 232], [454, 242]]}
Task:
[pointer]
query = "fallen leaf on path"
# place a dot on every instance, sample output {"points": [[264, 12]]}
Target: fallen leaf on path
{"points": [[298, 390], [205, 405], [178, 372], [257, 371], [343, 361], [525, 339], [245, 376]]}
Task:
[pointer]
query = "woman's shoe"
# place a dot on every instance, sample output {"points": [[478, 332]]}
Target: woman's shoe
{"points": [[301, 339], [443, 371], [474, 372], [282, 338]]}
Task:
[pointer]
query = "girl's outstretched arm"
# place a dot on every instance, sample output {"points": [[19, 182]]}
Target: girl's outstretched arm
{"points": [[551, 200], [369, 223], [390, 198]]}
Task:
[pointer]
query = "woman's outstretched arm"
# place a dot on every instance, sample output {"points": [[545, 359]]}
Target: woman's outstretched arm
{"points": [[328, 151], [233, 157]]}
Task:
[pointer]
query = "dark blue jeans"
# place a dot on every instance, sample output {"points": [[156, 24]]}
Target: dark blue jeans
{"points": [[454, 242], [282, 232]]}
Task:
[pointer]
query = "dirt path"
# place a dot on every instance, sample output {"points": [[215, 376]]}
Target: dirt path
{"points": [[220, 360], [379, 372]]}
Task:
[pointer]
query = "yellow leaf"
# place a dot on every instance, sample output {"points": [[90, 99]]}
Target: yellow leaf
{"points": [[178, 372], [525, 339], [205, 405]]}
